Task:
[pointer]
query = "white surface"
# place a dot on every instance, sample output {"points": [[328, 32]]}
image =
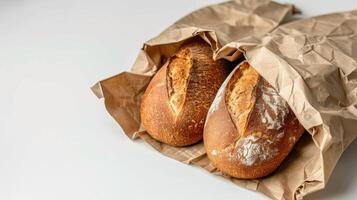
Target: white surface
{"points": [[56, 139]]}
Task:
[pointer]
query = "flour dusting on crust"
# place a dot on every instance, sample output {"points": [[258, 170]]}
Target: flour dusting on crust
{"points": [[250, 151], [274, 109]]}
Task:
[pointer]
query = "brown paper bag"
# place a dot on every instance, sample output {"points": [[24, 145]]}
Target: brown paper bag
{"points": [[313, 65], [218, 25]]}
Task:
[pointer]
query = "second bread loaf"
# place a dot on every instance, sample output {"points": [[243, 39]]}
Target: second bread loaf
{"points": [[251, 128]]}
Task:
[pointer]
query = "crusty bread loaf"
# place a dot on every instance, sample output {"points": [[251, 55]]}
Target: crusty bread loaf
{"points": [[176, 102], [250, 129]]}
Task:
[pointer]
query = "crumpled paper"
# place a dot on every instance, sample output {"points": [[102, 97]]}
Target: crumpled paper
{"points": [[312, 63], [218, 25]]}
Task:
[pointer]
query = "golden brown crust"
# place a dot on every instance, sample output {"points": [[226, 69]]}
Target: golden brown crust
{"points": [[240, 96], [177, 100], [178, 72], [252, 129]]}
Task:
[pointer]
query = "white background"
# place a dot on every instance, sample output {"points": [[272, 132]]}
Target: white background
{"points": [[56, 139]]}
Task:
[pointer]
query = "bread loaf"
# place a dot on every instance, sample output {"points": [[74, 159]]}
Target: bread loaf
{"points": [[250, 129], [177, 99]]}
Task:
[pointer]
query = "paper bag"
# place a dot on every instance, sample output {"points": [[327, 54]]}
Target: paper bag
{"points": [[312, 63]]}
